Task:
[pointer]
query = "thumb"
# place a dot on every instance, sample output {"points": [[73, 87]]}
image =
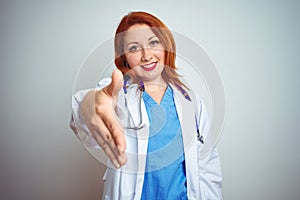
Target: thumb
{"points": [[116, 83]]}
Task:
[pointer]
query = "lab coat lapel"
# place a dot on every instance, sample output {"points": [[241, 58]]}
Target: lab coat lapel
{"points": [[186, 114], [142, 143], [137, 113], [133, 100], [133, 103]]}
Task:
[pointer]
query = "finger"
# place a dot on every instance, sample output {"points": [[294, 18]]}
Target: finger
{"points": [[116, 83], [117, 133], [106, 147], [106, 142], [112, 136]]}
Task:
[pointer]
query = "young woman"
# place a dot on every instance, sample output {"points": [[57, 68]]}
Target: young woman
{"points": [[148, 123]]}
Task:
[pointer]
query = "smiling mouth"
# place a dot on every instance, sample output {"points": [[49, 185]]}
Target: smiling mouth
{"points": [[149, 67]]}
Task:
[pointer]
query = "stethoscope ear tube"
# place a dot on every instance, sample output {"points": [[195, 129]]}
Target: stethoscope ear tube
{"points": [[126, 79]]}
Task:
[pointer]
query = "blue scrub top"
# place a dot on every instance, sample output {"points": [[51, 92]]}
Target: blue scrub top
{"points": [[165, 176]]}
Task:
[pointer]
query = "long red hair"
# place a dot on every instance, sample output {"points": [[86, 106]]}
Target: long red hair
{"points": [[161, 31]]}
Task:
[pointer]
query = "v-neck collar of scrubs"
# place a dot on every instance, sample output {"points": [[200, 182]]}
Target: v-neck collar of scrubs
{"points": [[164, 101]]}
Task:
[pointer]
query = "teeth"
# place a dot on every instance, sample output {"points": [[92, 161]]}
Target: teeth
{"points": [[149, 65]]}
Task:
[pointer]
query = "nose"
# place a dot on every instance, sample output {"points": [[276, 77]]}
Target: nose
{"points": [[146, 54]]}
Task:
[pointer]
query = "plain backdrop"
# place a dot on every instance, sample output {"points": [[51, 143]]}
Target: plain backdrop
{"points": [[254, 44]]}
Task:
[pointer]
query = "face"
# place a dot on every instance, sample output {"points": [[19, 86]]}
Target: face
{"points": [[144, 53]]}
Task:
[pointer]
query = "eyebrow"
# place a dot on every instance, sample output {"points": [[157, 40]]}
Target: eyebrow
{"points": [[137, 42], [152, 37]]}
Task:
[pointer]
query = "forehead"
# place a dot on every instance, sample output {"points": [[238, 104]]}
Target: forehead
{"points": [[138, 32]]}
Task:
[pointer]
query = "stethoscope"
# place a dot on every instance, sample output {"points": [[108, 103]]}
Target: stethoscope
{"points": [[140, 124]]}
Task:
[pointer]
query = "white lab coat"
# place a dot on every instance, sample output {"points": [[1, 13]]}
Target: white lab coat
{"points": [[203, 173]]}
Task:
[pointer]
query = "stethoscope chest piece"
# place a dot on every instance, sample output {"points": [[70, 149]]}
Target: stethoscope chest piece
{"points": [[200, 137]]}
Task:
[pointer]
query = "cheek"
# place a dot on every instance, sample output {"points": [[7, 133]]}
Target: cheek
{"points": [[133, 60], [161, 55]]}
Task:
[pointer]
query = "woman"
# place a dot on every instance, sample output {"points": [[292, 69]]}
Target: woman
{"points": [[145, 120]]}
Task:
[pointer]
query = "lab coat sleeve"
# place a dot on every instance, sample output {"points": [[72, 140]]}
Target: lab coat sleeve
{"points": [[209, 163], [77, 124]]}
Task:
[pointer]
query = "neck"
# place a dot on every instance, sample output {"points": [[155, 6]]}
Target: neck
{"points": [[156, 90], [152, 86]]}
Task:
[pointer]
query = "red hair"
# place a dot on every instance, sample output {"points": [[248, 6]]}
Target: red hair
{"points": [[160, 30]]}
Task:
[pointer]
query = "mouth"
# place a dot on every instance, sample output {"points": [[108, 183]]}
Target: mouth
{"points": [[150, 66]]}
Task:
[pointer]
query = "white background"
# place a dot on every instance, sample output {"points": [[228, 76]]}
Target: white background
{"points": [[254, 44]]}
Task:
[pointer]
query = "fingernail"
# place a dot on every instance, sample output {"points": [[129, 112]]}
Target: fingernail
{"points": [[116, 164], [120, 159], [121, 150]]}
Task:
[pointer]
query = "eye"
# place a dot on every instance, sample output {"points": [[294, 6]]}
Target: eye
{"points": [[154, 42], [133, 48]]}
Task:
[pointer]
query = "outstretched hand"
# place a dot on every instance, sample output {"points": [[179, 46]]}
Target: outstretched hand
{"points": [[98, 111]]}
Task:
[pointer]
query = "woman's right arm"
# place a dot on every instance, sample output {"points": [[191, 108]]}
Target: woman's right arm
{"points": [[93, 112]]}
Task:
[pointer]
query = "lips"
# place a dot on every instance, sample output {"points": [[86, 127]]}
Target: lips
{"points": [[149, 67]]}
